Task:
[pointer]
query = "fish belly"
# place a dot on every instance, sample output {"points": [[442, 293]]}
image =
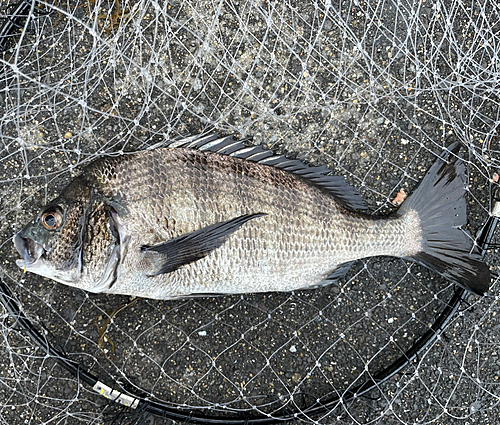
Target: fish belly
{"points": [[282, 251]]}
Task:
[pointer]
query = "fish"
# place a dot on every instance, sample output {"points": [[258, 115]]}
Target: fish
{"points": [[211, 215]]}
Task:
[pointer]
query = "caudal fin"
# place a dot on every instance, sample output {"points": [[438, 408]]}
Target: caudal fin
{"points": [[440, 203]]}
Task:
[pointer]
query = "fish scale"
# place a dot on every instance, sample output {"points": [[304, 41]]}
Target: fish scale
{"points": [[286, 252], [188, 219]]}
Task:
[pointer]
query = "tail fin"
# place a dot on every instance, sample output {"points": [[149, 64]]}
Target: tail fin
{"points": [[440, 203]]}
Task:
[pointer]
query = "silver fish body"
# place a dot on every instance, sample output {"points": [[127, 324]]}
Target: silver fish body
{"points": [[174, 222]]}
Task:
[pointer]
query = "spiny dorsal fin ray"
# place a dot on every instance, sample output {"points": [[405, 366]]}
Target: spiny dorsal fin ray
{"points": [[337, 186]]}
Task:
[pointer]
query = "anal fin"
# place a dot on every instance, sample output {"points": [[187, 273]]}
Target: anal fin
{"points": [[339, 272]]}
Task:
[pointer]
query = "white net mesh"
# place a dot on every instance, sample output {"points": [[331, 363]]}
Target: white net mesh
{"points": [[374, 90]]}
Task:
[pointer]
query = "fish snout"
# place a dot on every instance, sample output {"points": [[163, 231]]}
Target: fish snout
{"points": [[30, 250]]}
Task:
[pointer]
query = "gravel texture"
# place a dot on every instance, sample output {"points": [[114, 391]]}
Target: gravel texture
{"points": [[373, 91]]}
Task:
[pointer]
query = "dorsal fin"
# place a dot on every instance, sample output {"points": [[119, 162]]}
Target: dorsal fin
{"points": [[337, 186]]}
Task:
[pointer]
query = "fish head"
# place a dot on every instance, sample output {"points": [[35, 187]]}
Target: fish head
{"points": [[51, 244]]}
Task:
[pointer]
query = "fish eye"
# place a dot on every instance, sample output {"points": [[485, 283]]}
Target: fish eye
{"points": [[52, 219]]}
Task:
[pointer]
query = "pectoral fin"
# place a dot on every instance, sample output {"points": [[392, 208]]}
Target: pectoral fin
{"points": [[195, 245]]}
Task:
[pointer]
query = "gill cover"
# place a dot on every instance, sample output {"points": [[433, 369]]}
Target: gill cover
{"points": [[120, 243]]}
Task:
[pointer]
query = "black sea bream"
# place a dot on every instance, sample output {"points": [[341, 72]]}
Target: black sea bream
{"points": [[209, 215]]}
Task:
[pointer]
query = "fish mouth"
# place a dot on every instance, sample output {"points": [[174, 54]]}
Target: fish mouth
{"points": [[30, 250]]}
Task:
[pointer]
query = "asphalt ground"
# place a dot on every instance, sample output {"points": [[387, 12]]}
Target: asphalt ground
{"points": [[375, 92]]}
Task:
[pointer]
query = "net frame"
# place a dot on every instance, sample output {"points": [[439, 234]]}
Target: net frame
{"points": [[31, 13]]}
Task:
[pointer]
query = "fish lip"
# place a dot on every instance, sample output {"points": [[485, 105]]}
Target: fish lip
{"points": [[30, 250]]}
